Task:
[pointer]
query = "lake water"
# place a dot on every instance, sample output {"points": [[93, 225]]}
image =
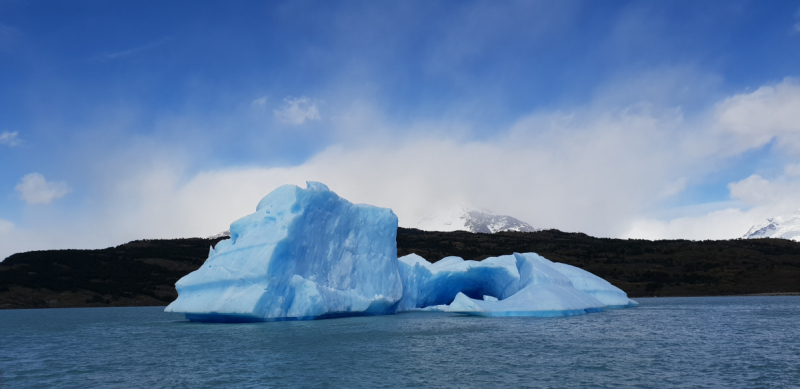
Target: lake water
{"points": [[665, 342]]}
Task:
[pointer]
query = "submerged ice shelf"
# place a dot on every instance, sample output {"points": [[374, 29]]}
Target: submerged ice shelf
{"points": [[309, 254]]}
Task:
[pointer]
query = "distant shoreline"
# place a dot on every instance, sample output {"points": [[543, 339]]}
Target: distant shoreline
{"points": [[636, 298], [757, 295], [144, 272], [726, 295]]}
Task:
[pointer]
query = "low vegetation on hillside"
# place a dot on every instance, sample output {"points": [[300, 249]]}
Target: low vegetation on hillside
{"points": [[639, 267], [144, 272]]}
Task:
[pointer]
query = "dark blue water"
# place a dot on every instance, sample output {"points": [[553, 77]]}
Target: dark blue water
{"points": [[666, 342]]}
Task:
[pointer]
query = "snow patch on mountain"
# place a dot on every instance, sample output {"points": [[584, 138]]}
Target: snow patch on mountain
{"points": [[464, 218], [223, 234], [784, 227]]}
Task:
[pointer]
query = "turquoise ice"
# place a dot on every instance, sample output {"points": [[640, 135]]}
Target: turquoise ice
{"points": [[310, 254], [510, 285], [304, 254]]}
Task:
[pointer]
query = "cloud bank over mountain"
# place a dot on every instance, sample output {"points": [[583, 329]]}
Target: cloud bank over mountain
{"points": [[595, 171], [640, 120]]}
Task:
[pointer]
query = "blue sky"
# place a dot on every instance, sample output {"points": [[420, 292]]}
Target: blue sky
{"points": [[122, 108]]}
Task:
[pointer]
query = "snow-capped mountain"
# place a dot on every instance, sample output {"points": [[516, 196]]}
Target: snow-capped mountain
{"points": [[223, 234], [459, 218], [785, 227], [464, 218]]}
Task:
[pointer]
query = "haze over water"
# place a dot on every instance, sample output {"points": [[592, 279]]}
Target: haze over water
{"points": [[690, 342]]}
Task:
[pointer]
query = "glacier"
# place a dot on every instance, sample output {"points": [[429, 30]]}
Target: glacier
{"points": [[310, 254]]}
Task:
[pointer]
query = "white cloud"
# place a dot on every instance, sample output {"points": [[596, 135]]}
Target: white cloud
{"points": [[792, 169], [753, 190], [14, 239], [600, 170], [297, 110], [34, 189], [131, 51], [5, 226], [575, 172], [739, 123], [760, 192], [9, 138], [723, 224], [673, 188], [754, 119], [259, 102], [757, 198]]}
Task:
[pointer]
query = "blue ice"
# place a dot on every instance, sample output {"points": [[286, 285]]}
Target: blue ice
{"points": [[304, 254], [310, 254], [510, 285]]}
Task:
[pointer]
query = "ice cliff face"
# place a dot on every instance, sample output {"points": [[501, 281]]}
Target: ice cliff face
{"points": [[463, 218], [304, 253], [309, 254], [785, 227]]}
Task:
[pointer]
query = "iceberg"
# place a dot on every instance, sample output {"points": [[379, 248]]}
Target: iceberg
{"points": [[310, 254], [595, 286], [426, 284], [510, 285], [304, 254]]}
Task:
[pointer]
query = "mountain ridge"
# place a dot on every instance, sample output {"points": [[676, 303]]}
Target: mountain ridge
{"points": [[465, 218], [783, 227]]}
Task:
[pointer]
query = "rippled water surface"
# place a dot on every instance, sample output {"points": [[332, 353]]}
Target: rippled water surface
{"points": [[666, 342]]}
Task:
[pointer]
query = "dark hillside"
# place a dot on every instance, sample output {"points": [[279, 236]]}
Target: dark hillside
{"points": [[639, 267], [144, 272], [141, 272]]}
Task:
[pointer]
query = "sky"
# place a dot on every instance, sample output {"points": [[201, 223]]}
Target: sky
{"points": [[132, 120]]}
